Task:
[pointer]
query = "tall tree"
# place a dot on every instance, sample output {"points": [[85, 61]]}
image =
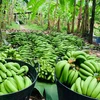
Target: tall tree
{"points": [[79, 17], [0, 21], [73, 15], [92, 21]]}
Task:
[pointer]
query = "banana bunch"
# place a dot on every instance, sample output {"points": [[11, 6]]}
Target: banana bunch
{"points": [[89, 87], [13, 77], [62, 70], [89, 68]]}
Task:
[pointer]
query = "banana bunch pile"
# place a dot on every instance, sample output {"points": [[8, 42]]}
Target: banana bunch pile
{"points": [[13, 77], [90, 87], [77, 66]]}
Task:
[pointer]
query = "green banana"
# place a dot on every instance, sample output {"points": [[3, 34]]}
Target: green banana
{"points": [[0, 79], [15, 65], [8, 72], [86, 68], [3, 89], [84, 72], [95, 64], [77, 53], [9, 86], [73, 87], [70, 76], [3, 75], [98, 96], [82, 82], [20, 82], [23, 69], [91, 86], [90, 65], [64, 75], [1, 93], [96, 91], [11, 79], [83, 77], [59, 67], [13, 72], [27, 81], [74, 77], [8, 65], [78, 85], [2, 67], [86, 84]]}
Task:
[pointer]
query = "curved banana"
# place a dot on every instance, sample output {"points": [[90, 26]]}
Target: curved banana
{"points": [[86, 84], [74, 77], [91, 86], [73, 87], [0, 79], [27, 81], [3, 89], [70, 76], [84, 72], [10, 87], [64, 75], [20, 82], [8, 72], [83, 77], [78, 85], [15, 64], [59, 67], [98, 96], [86, 68], [2, 67], [96, 91], [88, 63], [2, 74], [11, 79]]}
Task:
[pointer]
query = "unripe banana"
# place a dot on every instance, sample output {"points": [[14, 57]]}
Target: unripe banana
{"points": [[0, 79], [95, 64], [83, 77], [3, 89], [98, 96], [8, 72], [11, 79], [86, 68], [70, 76], [64, 75], [1, 93], [88, 63], [59, 67], [78, 85], [2, 67], [20, 82], [82, 82], [8, 65], [96, 91], [10, 87], [84, 72], [73, 87], [91, 86], [15, 65], [27, 81], [13, 72], [23, 69], [74, 77], [2, 74], [86, 84]]}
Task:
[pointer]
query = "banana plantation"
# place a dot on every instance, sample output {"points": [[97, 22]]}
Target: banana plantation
{"points": [[49, 49]]}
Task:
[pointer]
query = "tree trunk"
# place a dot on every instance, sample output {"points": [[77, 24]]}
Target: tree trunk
{"points": [[0, 22], [79, 17], [48, 28], [73, 20], [92, 22], [86, 19], [68, 28], [58, 25]]}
